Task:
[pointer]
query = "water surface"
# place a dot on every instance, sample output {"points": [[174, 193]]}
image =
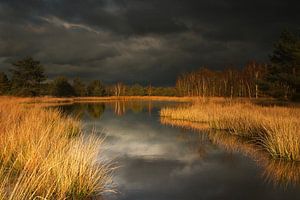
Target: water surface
{"points": [[163, 162]]}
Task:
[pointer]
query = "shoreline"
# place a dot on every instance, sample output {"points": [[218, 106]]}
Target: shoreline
{"points": [[72, 100], [273, 128]]}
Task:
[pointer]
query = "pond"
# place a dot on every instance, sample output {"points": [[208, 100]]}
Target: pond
{"points": [[159, 160]]}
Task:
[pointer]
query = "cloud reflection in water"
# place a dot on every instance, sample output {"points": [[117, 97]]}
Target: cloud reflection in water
{"points": [[160, 162]]}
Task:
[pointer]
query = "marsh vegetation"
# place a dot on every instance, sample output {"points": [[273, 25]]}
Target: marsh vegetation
{"points": [[274, 129], [45, 155]]}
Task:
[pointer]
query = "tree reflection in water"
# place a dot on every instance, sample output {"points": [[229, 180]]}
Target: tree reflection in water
{"points": [[121, 107], [93, 110]]}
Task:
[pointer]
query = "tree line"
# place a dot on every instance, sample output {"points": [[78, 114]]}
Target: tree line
{"points": [[28, 79], [279, 78], [230, 82]]}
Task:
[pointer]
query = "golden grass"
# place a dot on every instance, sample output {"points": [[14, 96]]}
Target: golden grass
{"points": [[275, 129], [69, 100], [44, 155], [185, 124]]}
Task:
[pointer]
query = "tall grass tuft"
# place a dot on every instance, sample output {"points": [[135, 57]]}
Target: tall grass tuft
{"points": [[44, 155], [275, 129]]}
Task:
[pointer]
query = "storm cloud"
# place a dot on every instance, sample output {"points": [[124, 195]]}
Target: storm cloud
{"points": [[144, 41]]}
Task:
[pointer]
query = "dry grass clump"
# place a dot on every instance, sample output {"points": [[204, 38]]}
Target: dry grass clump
{"points": [[276, 129], [195, 126], [44, 155], [194, 113]]}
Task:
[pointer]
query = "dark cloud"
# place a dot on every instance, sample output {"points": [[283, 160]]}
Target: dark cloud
{"points": [[141, 40]]}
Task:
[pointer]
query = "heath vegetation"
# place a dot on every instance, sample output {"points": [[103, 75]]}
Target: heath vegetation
{"points": [[275, 129], [44, 155]]}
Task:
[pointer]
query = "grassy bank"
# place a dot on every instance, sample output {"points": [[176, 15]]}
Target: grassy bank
{"points": [[69, 100], [44, 155], [274, 129]]}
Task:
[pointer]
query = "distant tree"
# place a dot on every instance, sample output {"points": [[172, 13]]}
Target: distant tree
{"points": [[96, 88], [283, 74], [4, 84], [45, 89], [164, 91], [60, 87], [229, 82], [252, 75], [119, 89], [149, 90], [135, 90], [27, 76], [79, 87]]}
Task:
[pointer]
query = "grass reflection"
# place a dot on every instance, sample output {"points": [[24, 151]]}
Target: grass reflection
{"points": [[277, 172]]}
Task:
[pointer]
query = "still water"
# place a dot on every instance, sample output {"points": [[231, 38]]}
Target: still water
{"points": [[161, 160]]}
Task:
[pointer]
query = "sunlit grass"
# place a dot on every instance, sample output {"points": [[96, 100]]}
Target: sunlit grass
{"points": [[69, 100], [44, 155], [275, 129]]}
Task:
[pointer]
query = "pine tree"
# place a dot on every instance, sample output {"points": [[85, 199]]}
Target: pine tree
{"points": [[283, 74], [27, 76]]}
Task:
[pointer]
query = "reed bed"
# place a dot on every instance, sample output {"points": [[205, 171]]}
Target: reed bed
{"points": [[45, 155], [275, 129]]}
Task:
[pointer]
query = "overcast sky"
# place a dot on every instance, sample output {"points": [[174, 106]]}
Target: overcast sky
{"points": [[144, 41]]}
